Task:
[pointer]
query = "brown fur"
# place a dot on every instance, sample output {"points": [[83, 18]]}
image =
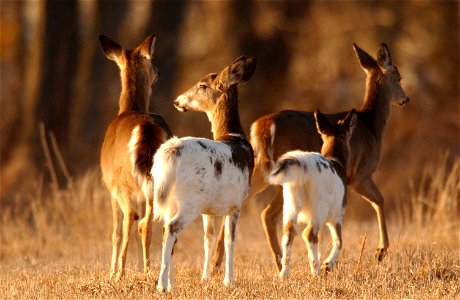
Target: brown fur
{"points": [[138, 75]]}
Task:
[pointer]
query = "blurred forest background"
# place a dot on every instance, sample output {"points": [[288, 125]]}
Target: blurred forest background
{"points": [[53, 72]]}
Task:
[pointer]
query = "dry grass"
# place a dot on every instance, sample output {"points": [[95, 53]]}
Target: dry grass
{"points": [[59, 247]]}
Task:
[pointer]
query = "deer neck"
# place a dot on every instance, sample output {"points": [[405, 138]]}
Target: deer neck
{"points": [[224, 116], [338, 154], [135, 92], [376, 106]]}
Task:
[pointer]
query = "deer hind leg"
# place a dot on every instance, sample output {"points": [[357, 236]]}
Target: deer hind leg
{"points": [[289, 232], [144, 229], [270, 217], [258, 185], [170, 232], [230, 233], [336, 234], [129, 216], [310, 236], [208, 224], [116, 235], [371, 193]]}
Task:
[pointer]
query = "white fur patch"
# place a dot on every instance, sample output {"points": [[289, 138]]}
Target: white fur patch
{"points": [[201, 177]]}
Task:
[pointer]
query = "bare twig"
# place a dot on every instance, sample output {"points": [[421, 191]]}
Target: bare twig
{"points": [[363, 244], [60, 159], [49, 161]]}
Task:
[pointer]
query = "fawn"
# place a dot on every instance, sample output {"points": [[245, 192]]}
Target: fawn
{"points": [[314, 190]]}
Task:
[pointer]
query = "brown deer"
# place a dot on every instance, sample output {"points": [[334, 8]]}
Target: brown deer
{"points": [[130, 142], [277, 133]]}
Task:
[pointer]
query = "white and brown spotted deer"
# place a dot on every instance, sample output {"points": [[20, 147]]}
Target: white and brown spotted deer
{"points": [[130, 142], [314, 191], [197, 176], [277, 133]]}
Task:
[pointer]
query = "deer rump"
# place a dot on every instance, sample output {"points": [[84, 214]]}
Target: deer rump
{"points": [[208, 176], [310, 179]]}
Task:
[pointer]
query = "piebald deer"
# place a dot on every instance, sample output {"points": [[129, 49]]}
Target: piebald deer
{"points": [[277, 133], [129, 145], [314, 191], [196, 176]]}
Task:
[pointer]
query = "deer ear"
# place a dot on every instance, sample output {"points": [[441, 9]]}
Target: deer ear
{"points": [[251, 64], [236, 71], [323, 125], [147, 48], [111, 49], [365, 60], [348, 123], [383, 56]]}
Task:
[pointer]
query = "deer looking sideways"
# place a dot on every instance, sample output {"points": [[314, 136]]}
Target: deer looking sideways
{"points": [[314, 189], [196, 176], [130, 142], [278, 133]]}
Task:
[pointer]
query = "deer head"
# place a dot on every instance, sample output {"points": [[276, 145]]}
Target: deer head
{"points": [[336, 137], [207, 93], [387, 74], [137, 69]]}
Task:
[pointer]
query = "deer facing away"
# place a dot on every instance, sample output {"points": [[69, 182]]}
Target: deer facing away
{"points": [[278, 133], [196, 176], [128, 148], [314, 190]]}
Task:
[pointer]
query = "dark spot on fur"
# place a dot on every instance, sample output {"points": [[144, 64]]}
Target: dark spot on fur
{"points": [[318, 166], [217, 169], [202, 145], [242, 154], [136, 217], [284, 164], [235, 216]]}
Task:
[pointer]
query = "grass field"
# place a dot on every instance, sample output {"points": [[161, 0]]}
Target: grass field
{"points": [[59, 247]]}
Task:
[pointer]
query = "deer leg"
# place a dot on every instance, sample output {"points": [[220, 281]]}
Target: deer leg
{"points": [[289, 231], [128, 219], [143, 228], [171, 230], [371, 193], [208, 224], [336, 234], [310, 236], [116, 235], [258, 184], [230, 233], [270, 217]]}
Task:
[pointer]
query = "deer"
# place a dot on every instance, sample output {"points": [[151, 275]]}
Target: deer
{"points": [[314, 191], [130, 142], [196, 176], [277, 133]]}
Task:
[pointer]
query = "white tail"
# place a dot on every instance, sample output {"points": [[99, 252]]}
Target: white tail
{"points": [[128, 148], [196, 176], [314, 187]]}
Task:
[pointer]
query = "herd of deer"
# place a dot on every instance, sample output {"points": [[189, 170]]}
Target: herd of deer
{"points": [[152, 175]]}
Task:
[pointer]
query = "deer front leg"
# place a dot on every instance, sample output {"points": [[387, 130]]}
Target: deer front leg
{"points": [[218, 257], [270, 217], [230, 232], [310, 236], [371, 193], [208, 224]]}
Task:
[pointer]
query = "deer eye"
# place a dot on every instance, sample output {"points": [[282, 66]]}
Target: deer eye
{"points": [[203, 87]]}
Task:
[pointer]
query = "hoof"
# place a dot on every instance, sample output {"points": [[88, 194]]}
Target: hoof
{"points": [[326, 268], [380, 254]]}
